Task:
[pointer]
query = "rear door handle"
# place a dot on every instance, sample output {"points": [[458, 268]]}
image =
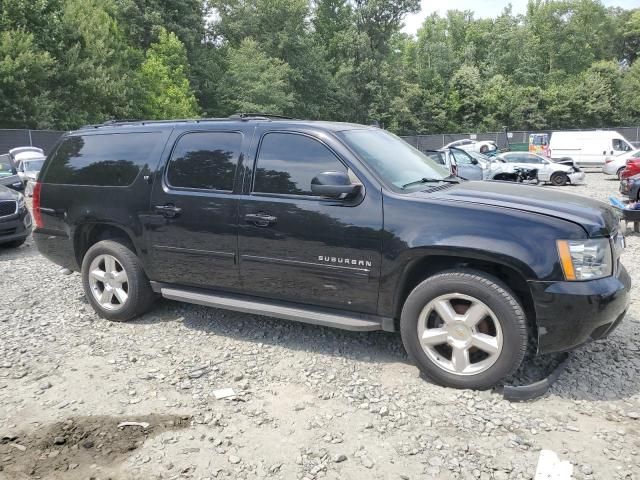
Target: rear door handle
{"points": [[169, 210], [260, 219]]}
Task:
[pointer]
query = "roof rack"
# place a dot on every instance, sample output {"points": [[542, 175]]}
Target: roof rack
{"points": [[244, 115]]}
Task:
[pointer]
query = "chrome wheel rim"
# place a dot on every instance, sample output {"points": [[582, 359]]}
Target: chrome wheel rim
{"points": [[460, 334], [108, 282]]}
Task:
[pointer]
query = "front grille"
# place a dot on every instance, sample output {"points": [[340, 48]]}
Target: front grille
{"points": [[7, 231], [8, 207]]}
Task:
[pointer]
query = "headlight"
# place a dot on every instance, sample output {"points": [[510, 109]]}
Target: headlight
{"points": [[585, 259], [21, 202]]}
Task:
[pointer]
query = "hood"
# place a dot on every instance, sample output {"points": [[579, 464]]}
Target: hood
{"points": [[7, 194], [597, 218]]}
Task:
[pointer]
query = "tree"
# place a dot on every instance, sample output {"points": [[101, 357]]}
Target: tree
{"points": [[163, 84], [24, 72], [256, 82]]}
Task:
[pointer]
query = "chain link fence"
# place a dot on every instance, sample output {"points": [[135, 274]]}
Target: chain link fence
{"points": [[45, 139]]}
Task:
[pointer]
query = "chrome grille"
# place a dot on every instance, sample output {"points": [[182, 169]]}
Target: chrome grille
{"points": [[8, 207]]}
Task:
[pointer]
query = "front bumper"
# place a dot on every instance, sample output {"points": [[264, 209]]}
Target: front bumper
{"points": [[569, 314], [576, 178], [15, 227]]}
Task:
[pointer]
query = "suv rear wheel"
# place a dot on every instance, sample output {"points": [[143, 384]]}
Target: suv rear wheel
{"points": [[464, 329], [114, 282]]}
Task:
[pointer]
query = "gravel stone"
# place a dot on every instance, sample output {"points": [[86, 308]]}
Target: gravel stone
{"points": [[308, 401]]}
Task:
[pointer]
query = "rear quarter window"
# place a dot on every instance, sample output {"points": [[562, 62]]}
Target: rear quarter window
{"points": [[113, 160]]}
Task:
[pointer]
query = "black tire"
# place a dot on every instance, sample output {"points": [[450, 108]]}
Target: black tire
{"points": [[14, 243], [619, 173], [140, 295], [559, 179], [497, 297]]}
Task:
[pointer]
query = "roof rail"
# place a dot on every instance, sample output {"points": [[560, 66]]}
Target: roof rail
{"points": [[243, 115]]}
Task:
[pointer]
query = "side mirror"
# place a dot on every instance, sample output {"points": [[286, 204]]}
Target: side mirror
{"points": [[333, 185]]}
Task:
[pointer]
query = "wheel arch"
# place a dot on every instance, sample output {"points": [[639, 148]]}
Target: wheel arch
{"points": [[88, 234], [423, 267]]}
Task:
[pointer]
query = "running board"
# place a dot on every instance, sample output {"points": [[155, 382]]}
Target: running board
{"points": [[278, 310]]}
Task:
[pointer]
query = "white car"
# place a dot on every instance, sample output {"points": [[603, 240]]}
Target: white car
{"points": [[615, 165], [483, 146], [548, 171], [28, 161], [588, 148]]}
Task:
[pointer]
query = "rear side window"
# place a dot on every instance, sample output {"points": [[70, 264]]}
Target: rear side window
{"points": [[288, 162], [107, 160], [205, 161]]}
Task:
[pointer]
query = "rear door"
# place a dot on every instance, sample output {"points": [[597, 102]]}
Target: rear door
{"points": [[299, 247], [192, 232]]}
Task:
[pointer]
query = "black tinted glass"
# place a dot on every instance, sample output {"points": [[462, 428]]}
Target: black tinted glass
{"points": [[205, 160], [102, 160], [287, 163]]}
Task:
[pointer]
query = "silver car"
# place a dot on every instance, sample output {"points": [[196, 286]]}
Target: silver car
{"points": [[548, 171]]}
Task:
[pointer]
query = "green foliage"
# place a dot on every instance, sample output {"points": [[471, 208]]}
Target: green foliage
{"points": [[162, 81], [24, 71], [563, 64], [255, 82]]}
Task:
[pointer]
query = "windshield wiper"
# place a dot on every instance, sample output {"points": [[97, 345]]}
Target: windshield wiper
{"points": [[449, 179]]}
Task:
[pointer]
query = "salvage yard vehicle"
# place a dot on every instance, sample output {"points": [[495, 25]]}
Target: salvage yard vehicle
{"points": [[458, 162], [588, 148], [333, 224], [28, 161], [616, 165], [630, 187], [15, 220], [558, 174], [9, 174]]}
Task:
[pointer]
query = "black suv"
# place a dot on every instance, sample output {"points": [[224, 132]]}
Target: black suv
{"points": [[333, 224]]}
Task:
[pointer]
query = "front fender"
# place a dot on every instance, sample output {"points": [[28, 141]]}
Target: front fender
{"points": [[522, 241]]}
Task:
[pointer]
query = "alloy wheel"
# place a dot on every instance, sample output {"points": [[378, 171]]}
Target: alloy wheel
{"points": [[109, 282], [460, 334]]}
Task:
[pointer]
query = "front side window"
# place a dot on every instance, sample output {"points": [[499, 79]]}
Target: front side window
{"points": [[462, 158], [288, 162], [205, 161], [620, 145]]}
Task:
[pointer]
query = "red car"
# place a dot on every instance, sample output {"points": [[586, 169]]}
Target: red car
{"points": [[632, 168]]}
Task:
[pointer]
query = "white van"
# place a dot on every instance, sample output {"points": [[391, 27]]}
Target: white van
{"points": [[588, 148]]}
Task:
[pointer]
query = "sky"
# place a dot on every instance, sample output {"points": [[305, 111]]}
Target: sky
{"points": [[484, 9]]}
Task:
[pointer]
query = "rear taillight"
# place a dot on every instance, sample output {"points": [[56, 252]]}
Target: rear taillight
{"points": [[37, 213]]}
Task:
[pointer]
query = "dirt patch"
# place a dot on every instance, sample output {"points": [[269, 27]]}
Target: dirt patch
{"points": [[66, 449]]}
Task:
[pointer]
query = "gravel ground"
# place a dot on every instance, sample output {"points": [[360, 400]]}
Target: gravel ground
{"points": [[309, 402]]}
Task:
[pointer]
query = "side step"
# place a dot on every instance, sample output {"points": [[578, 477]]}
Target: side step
{"points": [[278, 310]]}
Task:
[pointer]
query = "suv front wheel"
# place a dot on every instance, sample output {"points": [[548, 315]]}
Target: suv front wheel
{"points": [[464, 329], [114, 281]]}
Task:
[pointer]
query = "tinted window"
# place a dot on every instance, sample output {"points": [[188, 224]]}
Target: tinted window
{"points": [[287, 163], [102, 160], [205, 160]]}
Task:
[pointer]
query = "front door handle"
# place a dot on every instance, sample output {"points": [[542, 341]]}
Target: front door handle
{"points": [[169, 210], [260, 219]]}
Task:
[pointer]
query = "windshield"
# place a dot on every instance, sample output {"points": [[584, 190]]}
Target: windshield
{"points": [[33, 165], [393, 160], [5, 166]]}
